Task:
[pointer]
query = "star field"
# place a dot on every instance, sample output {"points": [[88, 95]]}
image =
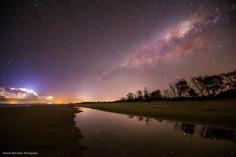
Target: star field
{"points": [[102, 49]]}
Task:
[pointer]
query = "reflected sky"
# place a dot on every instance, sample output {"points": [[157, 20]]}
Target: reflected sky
{"points": [[115, 134]]}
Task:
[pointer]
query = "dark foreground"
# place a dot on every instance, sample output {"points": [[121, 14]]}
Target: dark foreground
{"points": [[210, 112], [40, 130]]}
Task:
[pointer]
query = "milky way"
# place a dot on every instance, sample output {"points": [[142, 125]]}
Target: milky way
{"points": [[103, 49], [184, 38], [182, 41]]}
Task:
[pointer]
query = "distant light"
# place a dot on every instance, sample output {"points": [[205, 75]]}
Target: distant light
{"points": [[50, 98], [13, 102]]}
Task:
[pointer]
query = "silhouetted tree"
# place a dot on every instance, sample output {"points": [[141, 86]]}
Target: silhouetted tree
{"points": [[130, 96], [155, 95], [229, 80], [139, 95], [182, 88], [172, 92], [167, 93], [146, 94], [122, 99], [192, 93], [213, 84], [221, 86], [198, 85]]}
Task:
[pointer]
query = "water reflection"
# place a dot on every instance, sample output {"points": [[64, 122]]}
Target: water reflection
{"points": [[141, 118], [111, 134], [190, 129], [185, 127], [207, 131]]}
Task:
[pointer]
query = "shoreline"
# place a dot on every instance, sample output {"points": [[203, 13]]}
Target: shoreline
{"points": [[218, 112]]}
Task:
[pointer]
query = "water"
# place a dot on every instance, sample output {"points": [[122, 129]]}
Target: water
{"points": [[111, 134]]}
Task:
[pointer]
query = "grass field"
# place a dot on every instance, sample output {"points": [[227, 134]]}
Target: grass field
{"points": [[47, 130], [212, 112]]}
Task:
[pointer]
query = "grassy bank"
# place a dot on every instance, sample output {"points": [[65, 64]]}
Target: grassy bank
{"points": [[48, 130], [214, 112]]}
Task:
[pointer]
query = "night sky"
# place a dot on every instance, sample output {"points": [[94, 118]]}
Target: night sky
{"points": [[103, 49]]}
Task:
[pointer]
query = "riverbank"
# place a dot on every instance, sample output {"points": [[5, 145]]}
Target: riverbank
{"points": [[213, 112], [43, 130]]}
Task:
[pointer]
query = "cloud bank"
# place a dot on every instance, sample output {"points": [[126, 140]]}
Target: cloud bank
{"points": [[22, 95], [18, 93]]}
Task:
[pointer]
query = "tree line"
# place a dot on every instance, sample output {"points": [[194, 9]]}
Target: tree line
{"points": [[201, 87]]}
